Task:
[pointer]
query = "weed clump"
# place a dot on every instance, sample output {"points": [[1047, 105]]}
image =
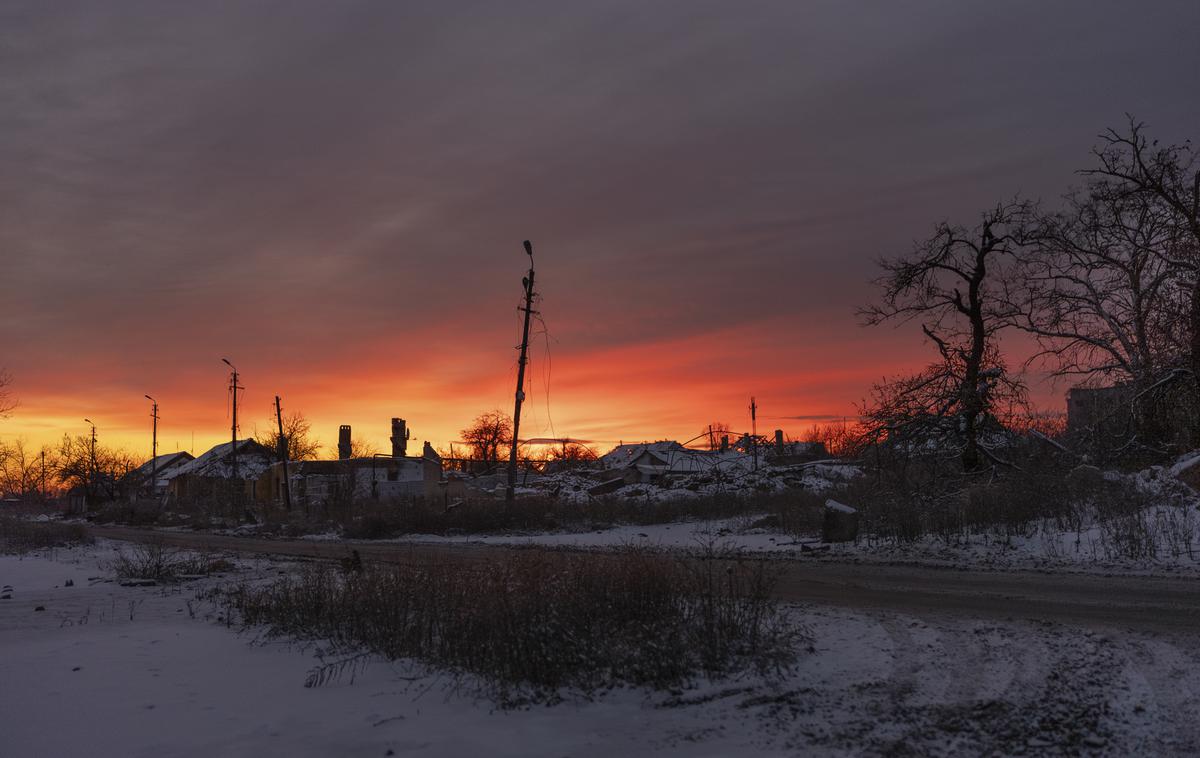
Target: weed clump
{"points": [[23, 536], [532, 623], [158, 563]]}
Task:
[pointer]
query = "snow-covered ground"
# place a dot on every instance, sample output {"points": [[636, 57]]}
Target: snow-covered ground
{"points": [[1047, 548], [1161, 538], [105, 670]]}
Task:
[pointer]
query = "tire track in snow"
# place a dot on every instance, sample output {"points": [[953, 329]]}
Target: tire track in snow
{"points": [[1171, 684]]}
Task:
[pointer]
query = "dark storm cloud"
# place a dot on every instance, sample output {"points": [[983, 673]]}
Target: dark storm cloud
{"points": [[259, 176]]}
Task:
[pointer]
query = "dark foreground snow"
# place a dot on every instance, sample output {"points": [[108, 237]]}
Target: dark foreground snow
{"points": [[106, 670]]}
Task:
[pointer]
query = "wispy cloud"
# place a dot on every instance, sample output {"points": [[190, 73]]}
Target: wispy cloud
{"points": [[336, 192]]}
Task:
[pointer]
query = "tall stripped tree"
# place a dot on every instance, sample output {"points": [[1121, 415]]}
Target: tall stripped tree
{"points": [[1132, 167], [1098, 292], [953, 285], [7, 401]]}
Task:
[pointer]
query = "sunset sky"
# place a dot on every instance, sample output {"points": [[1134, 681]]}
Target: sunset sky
{"points": [[334, 195]]}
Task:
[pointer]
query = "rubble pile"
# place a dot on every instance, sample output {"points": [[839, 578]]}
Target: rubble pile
{"points": [[671, 473]]}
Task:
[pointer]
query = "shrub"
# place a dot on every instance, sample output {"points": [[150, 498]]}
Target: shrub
{"points": [[532, 623], [155, 562], [21, 536], [794, 511]]}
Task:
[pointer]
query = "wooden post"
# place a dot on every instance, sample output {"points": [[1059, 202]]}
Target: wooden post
{"points": [[283, 456], [236, 481], [509, 492], [153, 445], [233, 387], [754, 430]]}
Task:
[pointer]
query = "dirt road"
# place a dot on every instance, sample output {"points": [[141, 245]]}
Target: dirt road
{"points": [[1136, 603]]}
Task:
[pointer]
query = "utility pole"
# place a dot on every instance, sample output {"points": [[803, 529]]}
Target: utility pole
{"points": [[233, 427], [43, 473], [754, 430], [153, 446], [236, 482], [509, 492], [93, 476], [283, 455]]}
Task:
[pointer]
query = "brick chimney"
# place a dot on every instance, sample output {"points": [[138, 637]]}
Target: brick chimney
{"points": [[399, 438], [344, 442]]}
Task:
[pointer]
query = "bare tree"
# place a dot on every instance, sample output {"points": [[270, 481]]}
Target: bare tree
{"points": [[487, 435], [100, 472], [360, 448], [839, 438], [1131, 165], [7, 401], [715, 432], [1098, 292], [297, 432], [952, 284], [569, 451], [25, 471]]}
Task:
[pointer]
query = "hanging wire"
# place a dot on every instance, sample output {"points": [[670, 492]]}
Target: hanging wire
{"points": [[547, 371]]}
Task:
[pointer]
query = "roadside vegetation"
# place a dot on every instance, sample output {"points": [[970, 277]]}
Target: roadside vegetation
{"points": [[796, 511], [151, 562], [1110, 514], [532, 624], [19, 535]]}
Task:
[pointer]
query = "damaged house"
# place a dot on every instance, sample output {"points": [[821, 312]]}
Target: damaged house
{"points": [[212, 474], [348, 479], [161, 469], [661, 462]]}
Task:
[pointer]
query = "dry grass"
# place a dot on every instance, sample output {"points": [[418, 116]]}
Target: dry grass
{"points": [[533, 623], [22, 536], [158, 563], [1121, 519], [795, 512], [791, 512]]}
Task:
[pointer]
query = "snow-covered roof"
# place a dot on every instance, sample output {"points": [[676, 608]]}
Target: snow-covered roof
{"points": [[252, 460], [684, 461], [623, 456], [163, 463], [671, 457]]}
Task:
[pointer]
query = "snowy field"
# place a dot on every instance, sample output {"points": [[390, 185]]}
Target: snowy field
{"points": [[100, 669], [1048, 549], [1163, 538]]}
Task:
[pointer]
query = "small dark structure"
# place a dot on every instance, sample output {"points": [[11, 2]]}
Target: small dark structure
{"points": [[840, 523]]}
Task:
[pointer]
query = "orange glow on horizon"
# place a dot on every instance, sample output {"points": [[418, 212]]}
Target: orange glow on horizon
{"points": [[647, 390]]}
